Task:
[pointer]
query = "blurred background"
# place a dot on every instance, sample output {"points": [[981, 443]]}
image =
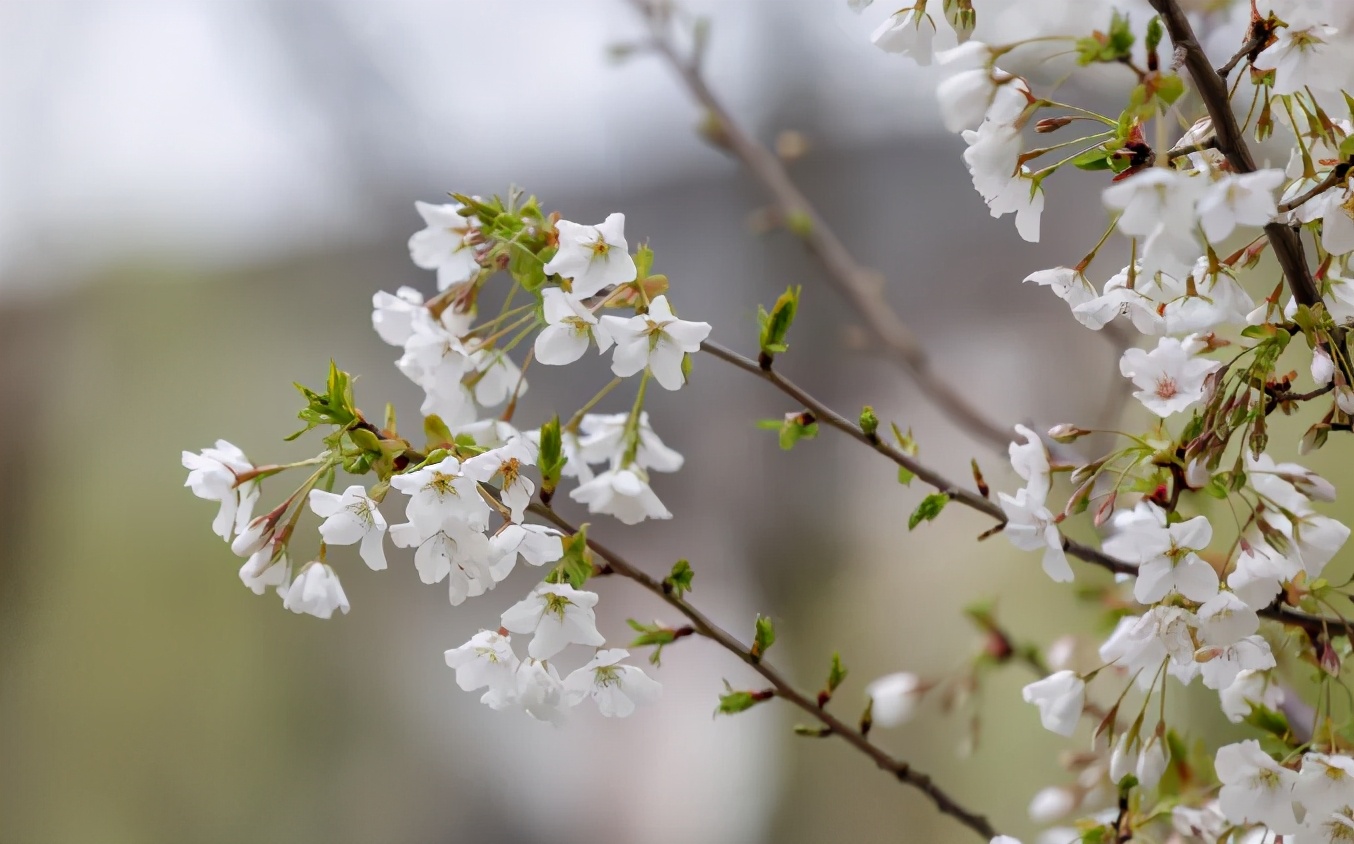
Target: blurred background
{"points": [[198, 199]]}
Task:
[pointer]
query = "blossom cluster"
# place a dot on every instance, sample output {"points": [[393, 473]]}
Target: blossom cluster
{"points": [[466, 498], [1196, 215]]}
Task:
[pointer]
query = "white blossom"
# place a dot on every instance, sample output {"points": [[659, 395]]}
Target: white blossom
{"points": [[507, 462], [1060, 698], [535, 544], [894, 698], [1238, 199], [451, 551], [316, 591], [615, 688], [593, 257], [540, 692], [1250, 688], [558, 615], [1031, 527], [262, 571], [657, 340], [487, 662], [212, 475], [623, 493], [441, 492], [1325, 783], [393, 315], [351, 518], [446, 245], [1255, 788], [569, 329], [1169, 378], [912, 33]]}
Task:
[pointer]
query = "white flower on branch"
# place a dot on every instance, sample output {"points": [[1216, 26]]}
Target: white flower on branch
{"points": [[507, 462], [1165, 554], [913, 33], [1255, 788], [1067, 284], [606, 437], [569, 329], [1060, 697], [1325, 784], [1141, 644], [451, 551], [1158, 205], [1249, 689], [893, 698], [557, 615], [616, 689], [1170, 378], [1031, 527], [623, 493], [487, 661], [316, 591], [656, 339], [393, 315], [212, 475], [262, 571], [540, 692], [446, 245], [593, 257], [351, 518], [1238, 199], [535, 544], [441, 492]]}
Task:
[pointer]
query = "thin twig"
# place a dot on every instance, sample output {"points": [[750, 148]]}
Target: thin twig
{"points": [[862, 287], [1336, 176], [1212, 90], [827, 416], [786, 691]]}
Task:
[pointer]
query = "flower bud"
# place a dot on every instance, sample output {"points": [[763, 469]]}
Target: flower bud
{"points": [[1323, 368], [1066, 433], [1051, 124]]}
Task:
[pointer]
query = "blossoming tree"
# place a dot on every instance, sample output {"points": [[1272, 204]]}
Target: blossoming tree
{"points": [[1221, 554]]}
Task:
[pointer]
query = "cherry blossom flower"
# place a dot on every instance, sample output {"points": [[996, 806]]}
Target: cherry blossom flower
{"points": [[1119, 299], [351, 518], [623, 493], [616, 688], [452, 551], [913, 33], [1159, 204], [1221, 666], [535, 544], [446, 245], [316, 591], [262, 571], [1067, 284], [393, 315], [212, 476], [540, 692], [1325, 783], [1169, 378], [607, 437], [656, 339], [593, 257], [439, 492], [558, 615], [508, 463], [1031, 527], [1060, 697], [1245, 199], [1249, 689], [570, 327], [1030, 461], [965, 96], [497, 378], [487, 661], [1165, 553], [1141, 644], [1255, 788], [894, 698]]}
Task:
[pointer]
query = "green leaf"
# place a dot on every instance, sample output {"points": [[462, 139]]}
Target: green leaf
{"points": [[1169, 88], [1095, 158], [793, 428], [575, 567], [775, 325], [1154, 32], [869, 423], [679, 581], [551, 459], [836, 674], [763, 637], [436, 430], [928, 509], [732, 702]]}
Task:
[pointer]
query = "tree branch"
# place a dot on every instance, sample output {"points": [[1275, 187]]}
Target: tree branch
{"points": [[1212, 90], [827, 416], [862, 287], [901, 770]]}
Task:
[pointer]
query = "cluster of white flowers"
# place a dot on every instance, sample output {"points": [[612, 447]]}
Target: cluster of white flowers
{"points": [[481, 474], [1194, 221]]}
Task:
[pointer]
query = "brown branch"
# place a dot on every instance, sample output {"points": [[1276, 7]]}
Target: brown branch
{"points": [[784, 690], [1335, 177], [827, 416], [862, 287], [1212, 90]]}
